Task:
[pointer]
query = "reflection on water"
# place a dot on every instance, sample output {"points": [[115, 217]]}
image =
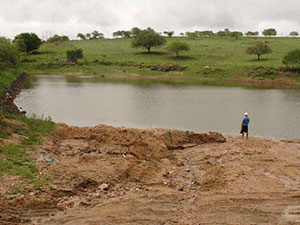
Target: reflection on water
{"points": [[87, 101]]}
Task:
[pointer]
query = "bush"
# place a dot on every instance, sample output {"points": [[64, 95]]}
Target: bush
{"points": [[74, 55], [8, 53], [177, 47], [292, 58], [31, 41]]}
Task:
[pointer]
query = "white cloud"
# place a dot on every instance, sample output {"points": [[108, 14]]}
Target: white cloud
{"points": [[72, 16]]}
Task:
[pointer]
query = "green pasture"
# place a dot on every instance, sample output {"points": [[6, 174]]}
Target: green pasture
{"points": [[225, 57]]}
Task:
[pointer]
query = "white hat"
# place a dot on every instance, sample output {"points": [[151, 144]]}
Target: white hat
{"points": [[246, 114]]}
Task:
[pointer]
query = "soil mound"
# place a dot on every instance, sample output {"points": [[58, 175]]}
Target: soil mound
{"points": [[108, 175], [143, 144]]}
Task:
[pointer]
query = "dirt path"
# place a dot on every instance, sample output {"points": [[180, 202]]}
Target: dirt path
{"points": [[106, 175]]}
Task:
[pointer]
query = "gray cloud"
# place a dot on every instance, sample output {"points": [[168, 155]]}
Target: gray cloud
{"points": [[72, 16]]}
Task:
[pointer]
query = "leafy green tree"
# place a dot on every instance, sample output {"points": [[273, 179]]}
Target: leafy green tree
{"points": [[126, 34], [117, 34], [178, 47], [74, 55], [20, 45], [97, 35], [236, 34], [31, 41], [292, 58], [206, 33], [148, 39], [81, 36], [227, 32], [181, 34], [135, 31], [221, 33], [294, 34], [192, 35], [57, 38], [122, 34], [8, 53], [252, 34], [258, 48], [169, 33], [269, 32], [88, 36]]}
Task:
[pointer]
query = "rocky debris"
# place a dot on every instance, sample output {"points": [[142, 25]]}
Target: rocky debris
{"points": [[16, 88], [295, 141], [155, 67], [208, 70], [168, 67]]}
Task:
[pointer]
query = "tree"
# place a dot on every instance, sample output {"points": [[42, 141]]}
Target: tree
{"points": [[292, 58], [178, 47], [258, 48], [221, 34], [227, 32], [116, 34], [126, 34], [20, 45], [8, 53], [252, 34], [294, 34], [135, 31], [169, 33], [97, 35], [88, 36], [31, 41], [57, 38], [269, 32], [206, 33], [148, 39], [122, 34], [74, 55], [236, 34], [81, 36], [192, 35], [181, 34]]}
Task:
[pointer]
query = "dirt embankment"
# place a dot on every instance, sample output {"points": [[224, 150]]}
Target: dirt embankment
{"points": [[16, 88], [107, 175]]}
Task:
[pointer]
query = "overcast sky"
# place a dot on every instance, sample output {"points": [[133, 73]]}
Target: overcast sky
{"points": [[68, 17]]}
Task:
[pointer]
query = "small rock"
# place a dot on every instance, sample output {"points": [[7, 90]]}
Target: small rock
{"points": [[104, 187]]}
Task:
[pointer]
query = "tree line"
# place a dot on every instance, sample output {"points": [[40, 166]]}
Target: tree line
{"points": [[271, 32]]}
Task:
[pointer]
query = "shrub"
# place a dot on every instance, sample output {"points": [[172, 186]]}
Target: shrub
{"points": [[74, 55], [292, 58], [177, 47], [8, 53], [31, 41]]}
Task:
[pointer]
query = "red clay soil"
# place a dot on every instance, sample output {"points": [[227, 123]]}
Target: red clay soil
{"points": [[107, 175]]}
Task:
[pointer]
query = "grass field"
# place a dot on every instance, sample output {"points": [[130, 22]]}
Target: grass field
{"points": [[225, 57]]}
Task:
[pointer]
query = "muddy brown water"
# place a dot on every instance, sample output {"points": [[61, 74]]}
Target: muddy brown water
{"points": [[88, 101]]}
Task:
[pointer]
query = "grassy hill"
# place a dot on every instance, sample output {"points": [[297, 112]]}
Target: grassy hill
{"points": [[217, 58]]}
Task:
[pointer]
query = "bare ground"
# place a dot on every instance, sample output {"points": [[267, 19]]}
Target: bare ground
{"points": [[106, 175]]}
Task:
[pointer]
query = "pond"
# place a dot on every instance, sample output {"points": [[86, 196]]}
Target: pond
{"points": [[88, 101]]}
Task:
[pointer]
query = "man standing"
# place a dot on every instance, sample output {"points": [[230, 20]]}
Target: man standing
{"points": [[244, 126]]}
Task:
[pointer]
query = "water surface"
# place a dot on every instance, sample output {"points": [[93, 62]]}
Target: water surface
{"points": [[88, 101]]}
